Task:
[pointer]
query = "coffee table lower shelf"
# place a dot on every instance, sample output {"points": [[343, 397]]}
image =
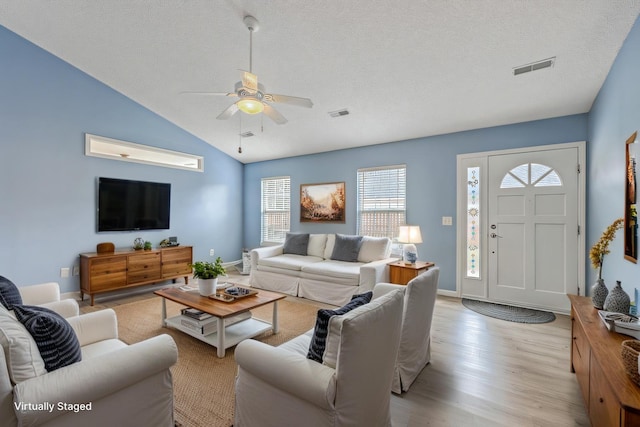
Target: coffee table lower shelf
{"points": [[230, 336]]}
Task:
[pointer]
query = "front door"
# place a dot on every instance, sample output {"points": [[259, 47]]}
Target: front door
{"points": [[533, 228]]}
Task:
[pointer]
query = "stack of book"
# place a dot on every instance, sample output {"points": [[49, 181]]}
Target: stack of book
{"points": [[198, 321]]}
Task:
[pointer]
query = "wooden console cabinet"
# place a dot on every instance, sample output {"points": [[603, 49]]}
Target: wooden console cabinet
{"points": [[610, 396], [128, 268]]}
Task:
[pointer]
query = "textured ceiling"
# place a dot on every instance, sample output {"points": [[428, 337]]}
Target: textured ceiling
{"points": [[404, 69]]}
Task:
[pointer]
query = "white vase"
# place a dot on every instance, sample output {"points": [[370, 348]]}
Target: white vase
{"points": [[207, 286]]}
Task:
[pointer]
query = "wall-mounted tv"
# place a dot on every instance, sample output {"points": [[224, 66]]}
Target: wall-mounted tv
{"points": [[125, 205]]}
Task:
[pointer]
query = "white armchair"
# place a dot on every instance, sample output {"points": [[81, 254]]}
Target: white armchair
{"points": [[125, 385], [279, 386], [415, 340]]}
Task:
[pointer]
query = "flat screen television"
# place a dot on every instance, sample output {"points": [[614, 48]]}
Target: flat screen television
{"points": [[125, 205]]}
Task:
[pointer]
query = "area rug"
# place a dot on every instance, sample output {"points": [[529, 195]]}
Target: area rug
{"points": [[509, 312], [203, 383]]}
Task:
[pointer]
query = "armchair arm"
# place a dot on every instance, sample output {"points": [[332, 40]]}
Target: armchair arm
{"points": [[374, 272], [65, 308], [40, 294], [93, 379], [264, 252], [290, 372], [97, 326]]}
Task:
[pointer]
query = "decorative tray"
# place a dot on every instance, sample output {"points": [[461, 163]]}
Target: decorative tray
{"points": [[626, 324], [233, 293]]}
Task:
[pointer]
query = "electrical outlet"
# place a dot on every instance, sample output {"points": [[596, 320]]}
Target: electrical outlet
{"points": [[447, 220], [64, 272], [211, 252], [76, 270]]}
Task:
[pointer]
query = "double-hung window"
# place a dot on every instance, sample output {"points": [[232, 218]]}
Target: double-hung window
{"points": [[382, 200], [276, 209]]}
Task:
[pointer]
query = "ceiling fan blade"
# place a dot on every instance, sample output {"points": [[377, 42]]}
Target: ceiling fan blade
{"points": [[250, 82], [292, 100], [233, 108], [209, 93], [273, 114]]}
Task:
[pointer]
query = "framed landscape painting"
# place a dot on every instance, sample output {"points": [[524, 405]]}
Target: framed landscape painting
{"points": [[322, 202]]}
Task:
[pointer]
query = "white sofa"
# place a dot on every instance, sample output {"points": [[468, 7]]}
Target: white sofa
{"points": [[126, 385], [280, 386], [316, 275]]}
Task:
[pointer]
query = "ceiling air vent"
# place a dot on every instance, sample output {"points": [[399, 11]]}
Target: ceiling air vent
{"points": [[247, 134], [339, 113], [539, 65]]}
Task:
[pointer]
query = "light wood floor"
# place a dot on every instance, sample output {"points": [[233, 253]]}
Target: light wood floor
{"points": [[483, 372]]}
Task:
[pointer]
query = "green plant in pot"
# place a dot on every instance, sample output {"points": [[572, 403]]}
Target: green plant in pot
{"points": [[207, 274]]}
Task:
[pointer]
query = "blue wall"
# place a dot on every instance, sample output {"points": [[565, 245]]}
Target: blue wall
{"points": [[615, 115], [431, 180], [48, 185]]}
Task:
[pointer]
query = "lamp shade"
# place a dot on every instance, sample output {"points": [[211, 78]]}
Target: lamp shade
{"points": [[250, 105], [409, 234]]}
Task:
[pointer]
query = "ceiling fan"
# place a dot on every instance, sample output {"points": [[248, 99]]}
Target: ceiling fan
{"points": [[251, 95]]}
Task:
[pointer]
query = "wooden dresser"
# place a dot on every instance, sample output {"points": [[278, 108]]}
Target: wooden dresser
{"points": [[610, 396], [124, 269]]}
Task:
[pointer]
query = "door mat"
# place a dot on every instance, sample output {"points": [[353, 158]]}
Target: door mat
{"points": [[509, 312]]}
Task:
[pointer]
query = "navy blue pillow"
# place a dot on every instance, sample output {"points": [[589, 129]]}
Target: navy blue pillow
{"points": [[56, 340], [9, 294], [366, 296], [319, 338]]}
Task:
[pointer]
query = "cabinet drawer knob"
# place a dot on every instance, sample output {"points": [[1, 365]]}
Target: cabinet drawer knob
{"points": [[601, 400]]}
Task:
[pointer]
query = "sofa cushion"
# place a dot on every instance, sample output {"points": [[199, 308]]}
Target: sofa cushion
{"points": [[317, 243], [20, 350], [9, 294], [289, 261], [54, 336], [329, 269], [296, 243], [318, 340], [374, 249], [346, 248]]}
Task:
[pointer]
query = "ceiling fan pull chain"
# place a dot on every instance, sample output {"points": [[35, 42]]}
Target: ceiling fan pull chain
{"points": [[240, 136]]}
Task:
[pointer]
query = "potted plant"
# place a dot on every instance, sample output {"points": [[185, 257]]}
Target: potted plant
{"points": [[207, 274]]}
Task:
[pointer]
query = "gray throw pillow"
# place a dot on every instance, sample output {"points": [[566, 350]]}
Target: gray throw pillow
{"points": [[346, 248], [296, 243]]}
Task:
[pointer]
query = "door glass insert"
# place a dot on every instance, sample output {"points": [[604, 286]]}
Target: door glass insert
{"points": [[473, 222], [531, 174]]}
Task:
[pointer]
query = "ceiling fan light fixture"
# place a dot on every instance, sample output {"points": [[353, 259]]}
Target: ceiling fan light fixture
{"points": [[250, 106]]}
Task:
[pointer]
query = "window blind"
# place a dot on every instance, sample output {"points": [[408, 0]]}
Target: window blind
{"points": [[276, 209], [381, 200]]}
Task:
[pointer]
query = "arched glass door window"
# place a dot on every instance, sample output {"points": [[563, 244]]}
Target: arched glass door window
{"points": [[533, 174]]}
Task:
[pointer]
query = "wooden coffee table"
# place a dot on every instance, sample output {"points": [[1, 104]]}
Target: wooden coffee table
{"points": [[228, 336]]}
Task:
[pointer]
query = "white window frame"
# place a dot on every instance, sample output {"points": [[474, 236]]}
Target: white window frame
{"points": [[394, 202], [275, 209]]}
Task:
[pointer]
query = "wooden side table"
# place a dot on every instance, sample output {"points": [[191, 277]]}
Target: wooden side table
{"points": [[401, 273]]}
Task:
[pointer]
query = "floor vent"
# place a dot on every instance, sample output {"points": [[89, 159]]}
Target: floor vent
{"points": [[339, 113], [534, 66]]}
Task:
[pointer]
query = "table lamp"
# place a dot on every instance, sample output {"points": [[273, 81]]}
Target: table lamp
{"points": [[409, 235]]}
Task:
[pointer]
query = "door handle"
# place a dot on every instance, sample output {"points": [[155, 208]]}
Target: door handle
{"points": [[494, 235]]}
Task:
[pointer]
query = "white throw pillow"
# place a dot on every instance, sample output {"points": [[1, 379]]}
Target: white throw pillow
{"points": [[328, 249], [20, 349], [316, 245], [374, 249]]}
